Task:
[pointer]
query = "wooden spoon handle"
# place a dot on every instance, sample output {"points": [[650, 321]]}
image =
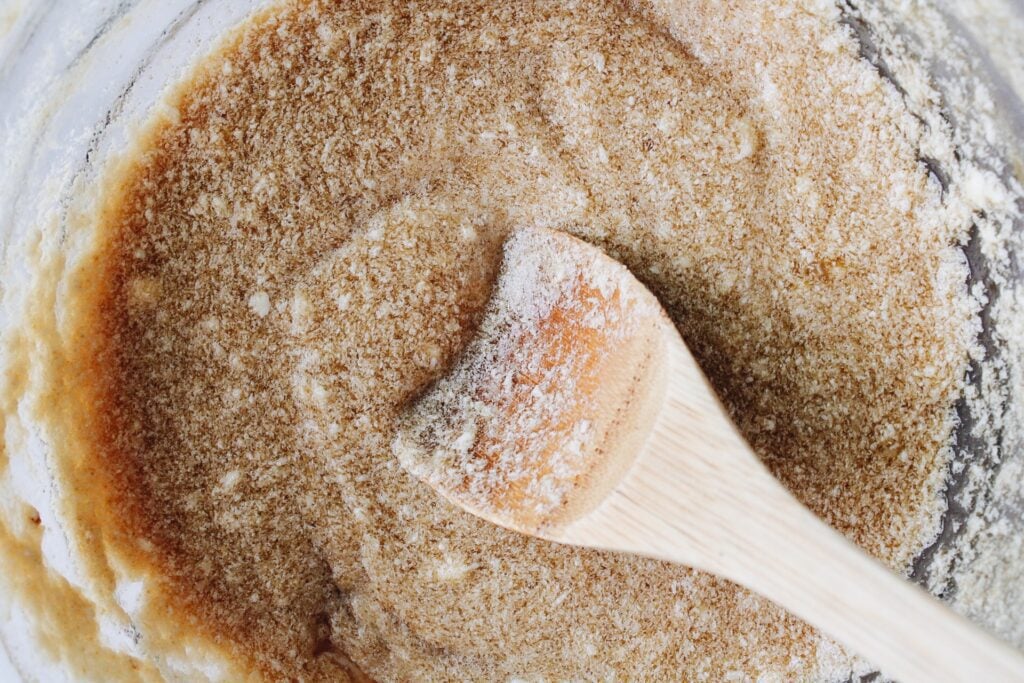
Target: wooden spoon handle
{"points": [[827, 581], [786, 554], [697, 495]]}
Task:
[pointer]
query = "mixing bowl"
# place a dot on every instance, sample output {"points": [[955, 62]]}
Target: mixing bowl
{"points": [[78, 76]]}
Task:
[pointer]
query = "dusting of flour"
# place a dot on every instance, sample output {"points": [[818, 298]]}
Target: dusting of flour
{"points": [[509, 431]]}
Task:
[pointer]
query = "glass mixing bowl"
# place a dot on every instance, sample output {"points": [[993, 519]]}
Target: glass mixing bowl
{"points": [[77, 75]]}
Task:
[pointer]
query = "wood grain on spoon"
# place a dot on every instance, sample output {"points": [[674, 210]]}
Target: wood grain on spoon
{"points": [[578, 415]]}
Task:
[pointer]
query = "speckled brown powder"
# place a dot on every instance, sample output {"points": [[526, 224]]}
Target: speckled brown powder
{"points": [[312, 238]]}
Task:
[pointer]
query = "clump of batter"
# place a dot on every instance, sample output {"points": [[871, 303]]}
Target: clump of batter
{"points": [[311, 237]]}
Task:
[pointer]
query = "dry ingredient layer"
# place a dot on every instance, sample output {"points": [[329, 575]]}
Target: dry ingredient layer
{"points": [[312, 237]]}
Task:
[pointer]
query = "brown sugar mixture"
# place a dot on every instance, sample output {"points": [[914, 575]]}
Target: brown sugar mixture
{"points": [[311, 234]]}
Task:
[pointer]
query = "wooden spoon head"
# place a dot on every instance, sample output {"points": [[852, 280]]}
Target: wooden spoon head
{"points": [[548, 406]]}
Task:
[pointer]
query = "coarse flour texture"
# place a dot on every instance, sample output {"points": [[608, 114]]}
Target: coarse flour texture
{"points": [[306, 235]]}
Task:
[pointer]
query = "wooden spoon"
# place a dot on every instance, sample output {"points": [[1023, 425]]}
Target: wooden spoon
{"points": [[578, 415]]}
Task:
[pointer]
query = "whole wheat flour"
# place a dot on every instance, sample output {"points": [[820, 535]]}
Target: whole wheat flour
{"points": [[307, 235]]}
